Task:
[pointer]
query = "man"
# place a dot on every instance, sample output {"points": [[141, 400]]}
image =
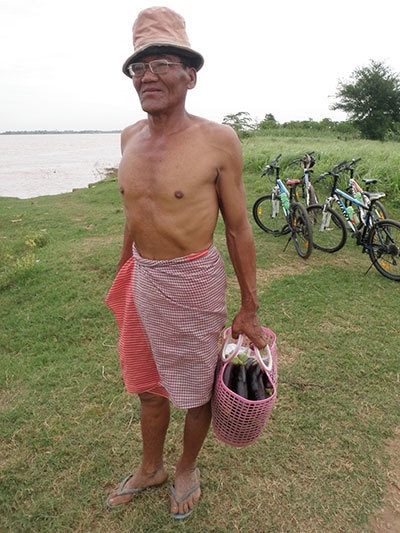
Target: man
{"points": [[177, 172]]}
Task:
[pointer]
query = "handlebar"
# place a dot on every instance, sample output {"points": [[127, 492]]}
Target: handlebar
{"points": [[330, 172], [339, 167], [272, 165], [307, 158], [350, 165]]}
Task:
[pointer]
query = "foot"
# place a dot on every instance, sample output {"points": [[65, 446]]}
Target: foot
{"points": [[133, 485], [185, 493]]}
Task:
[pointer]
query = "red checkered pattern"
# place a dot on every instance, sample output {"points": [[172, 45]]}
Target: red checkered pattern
{"points": [[139, 371], [181, 304]]}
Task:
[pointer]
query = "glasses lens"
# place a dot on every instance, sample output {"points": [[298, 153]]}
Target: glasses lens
{"points": [[159, 66], [136, 69]]}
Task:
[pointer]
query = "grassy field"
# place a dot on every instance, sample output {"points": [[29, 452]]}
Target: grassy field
{"points": [[69, 432]]}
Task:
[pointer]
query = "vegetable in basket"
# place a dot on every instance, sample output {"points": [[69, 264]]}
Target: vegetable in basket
{"points": [[246, 378]]}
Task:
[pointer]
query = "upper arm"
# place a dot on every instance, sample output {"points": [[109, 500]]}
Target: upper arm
{"points": [[230, 187]]}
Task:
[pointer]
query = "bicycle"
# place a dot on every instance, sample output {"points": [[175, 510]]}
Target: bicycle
{"points": [[379, 237], [307, 162], [356, 191], [278, 213]]}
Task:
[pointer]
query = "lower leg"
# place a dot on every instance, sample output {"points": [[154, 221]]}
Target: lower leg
{"points": [[197, 423], [154, 421]]}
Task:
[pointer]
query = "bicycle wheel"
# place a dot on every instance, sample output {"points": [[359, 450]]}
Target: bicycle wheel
{"points": [[301, 230], [384, 248], [269, 215], [378, 212], [329, 229]]}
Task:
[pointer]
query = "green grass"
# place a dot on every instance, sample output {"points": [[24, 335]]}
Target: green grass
{"points": [[69, 432]]}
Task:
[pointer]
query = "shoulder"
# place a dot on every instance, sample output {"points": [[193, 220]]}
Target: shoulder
{"points": [[133, 129], [214, 127], [215, 132]]}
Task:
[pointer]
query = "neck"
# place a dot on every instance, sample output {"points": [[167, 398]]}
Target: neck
{"points": [[165, 123]]}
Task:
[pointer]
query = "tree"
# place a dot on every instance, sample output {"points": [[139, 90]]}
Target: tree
{"points": [[241, 122], [372, 100], [268, 122]]}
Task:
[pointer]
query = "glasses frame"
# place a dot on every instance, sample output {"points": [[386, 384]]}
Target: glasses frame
{"points": [[152, 66]]}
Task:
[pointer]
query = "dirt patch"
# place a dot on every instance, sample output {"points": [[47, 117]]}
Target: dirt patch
{"points": [[388, 519]]}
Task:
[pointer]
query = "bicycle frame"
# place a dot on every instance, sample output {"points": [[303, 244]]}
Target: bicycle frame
{"points": [[338, 196], [277, 191], [306, 162]]}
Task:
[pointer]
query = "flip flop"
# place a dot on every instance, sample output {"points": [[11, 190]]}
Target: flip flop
{"points": [[122, 492], [184, 497]]}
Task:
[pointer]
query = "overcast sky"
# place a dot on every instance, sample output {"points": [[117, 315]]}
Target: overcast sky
{"points": [[60, 60]]}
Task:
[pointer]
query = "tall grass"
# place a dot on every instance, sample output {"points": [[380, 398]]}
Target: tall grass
{"points": [[378, 160]]}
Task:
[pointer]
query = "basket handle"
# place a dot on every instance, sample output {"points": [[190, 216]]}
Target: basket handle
{"points": [[228, 356], [231, 355], [265, 366]]}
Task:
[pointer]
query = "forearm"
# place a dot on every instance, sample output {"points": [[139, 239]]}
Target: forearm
{"points": [[243, 257]]}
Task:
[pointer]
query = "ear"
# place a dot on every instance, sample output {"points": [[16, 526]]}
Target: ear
{"points": [[192, 74]]}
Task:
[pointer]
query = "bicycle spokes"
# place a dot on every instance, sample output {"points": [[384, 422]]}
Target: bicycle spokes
{"points": [[384, 248]]}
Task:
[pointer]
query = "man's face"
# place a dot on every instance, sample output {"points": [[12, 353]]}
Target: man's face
{"points": [[165, 90]]}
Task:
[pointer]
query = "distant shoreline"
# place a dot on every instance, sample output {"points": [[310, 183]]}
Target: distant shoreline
{"points": [[57, 132]]}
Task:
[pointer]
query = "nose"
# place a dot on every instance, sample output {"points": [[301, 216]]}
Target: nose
{"points": [[148, 73]]}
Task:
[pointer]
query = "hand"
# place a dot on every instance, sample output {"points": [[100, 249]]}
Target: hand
{"points": [[248, 323]]}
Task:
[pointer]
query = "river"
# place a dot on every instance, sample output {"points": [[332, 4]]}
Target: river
{"points": [[47, 164]]}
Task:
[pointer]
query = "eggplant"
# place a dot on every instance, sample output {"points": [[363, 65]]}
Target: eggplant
{"points": [[233, 375], [227, 375], [256, 389], [239, 382], [268, 387]]}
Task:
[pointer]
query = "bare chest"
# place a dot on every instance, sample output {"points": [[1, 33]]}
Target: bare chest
{"points": [[160, 170]]}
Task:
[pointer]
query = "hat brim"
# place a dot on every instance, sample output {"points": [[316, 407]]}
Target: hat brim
{"points": [[196, 60]]}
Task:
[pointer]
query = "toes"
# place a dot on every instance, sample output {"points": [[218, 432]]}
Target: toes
{"points": [[181, 506]]}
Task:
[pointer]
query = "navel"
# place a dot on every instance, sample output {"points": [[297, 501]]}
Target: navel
{"points": [[179, 194]]}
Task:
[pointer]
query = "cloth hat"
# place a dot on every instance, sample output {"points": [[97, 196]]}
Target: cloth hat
{"points": [[159, 30]]}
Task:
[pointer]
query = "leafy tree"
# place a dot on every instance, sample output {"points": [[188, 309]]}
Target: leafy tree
{"points": [[372, 100], [241, 122], [268, 122]]}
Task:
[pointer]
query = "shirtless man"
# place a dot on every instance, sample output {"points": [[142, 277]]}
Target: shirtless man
{"points": [[177, 172]]}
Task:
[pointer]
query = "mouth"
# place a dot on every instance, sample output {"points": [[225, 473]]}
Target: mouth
{"points": [[149, 90]]}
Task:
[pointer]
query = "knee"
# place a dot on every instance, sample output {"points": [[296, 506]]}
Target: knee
{"points": [[199, 412], [153, 400]]}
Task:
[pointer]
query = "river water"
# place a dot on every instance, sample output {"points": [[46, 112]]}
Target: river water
{"points": [[48, 164]]}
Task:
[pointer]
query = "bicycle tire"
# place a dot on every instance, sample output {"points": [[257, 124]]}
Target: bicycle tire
{"points": [[266, 219], [301, 229], [329, 229], [384, 248], [379, 212]]}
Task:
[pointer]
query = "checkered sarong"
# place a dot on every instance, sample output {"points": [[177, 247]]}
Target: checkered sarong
{"points": [[139, 371], [181, 304]]}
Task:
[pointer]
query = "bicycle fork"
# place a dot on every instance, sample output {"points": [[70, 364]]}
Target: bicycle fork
{"points": [[275, 202], [325, 219]]}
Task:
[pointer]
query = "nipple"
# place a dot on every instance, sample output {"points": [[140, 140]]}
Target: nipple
{"points": [[178, 194], [121, 190]]}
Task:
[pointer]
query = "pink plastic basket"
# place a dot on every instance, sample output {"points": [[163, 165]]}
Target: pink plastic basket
{"points": [[236, 420]]}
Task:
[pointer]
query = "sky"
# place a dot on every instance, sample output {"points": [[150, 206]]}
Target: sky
{"points": [[61, 60]]}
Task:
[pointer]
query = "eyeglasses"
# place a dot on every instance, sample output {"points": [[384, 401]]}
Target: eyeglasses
{"points": [[158, 66]]}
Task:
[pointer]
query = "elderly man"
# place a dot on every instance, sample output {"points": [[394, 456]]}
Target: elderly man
{"points": [[177, 173]]}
